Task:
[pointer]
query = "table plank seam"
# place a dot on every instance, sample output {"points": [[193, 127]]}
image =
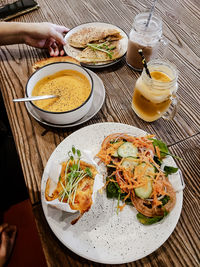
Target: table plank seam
{"points": [[183, 140]]}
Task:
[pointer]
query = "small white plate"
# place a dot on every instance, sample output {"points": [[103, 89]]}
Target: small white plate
{"points": [[102, 235], [73, 52], [98, 100]]}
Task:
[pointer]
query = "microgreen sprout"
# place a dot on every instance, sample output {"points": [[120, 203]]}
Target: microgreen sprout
{"points": [[73, 150], [73, 175], [88, 171], [104, 47], [78, 153]]}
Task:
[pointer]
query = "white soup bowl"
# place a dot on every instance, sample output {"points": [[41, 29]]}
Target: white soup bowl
{"points": [[64, 117]]}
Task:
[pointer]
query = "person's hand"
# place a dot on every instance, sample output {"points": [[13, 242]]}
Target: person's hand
{"points": [[46, 35], [7, 239]]}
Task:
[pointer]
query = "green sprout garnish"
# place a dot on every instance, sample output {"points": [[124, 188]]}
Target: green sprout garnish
{"points": [[104, 47], [78, 153], [73, 175], [88, 171], [73, 150]]}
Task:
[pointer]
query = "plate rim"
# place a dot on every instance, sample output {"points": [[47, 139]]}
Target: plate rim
{"points": [[79, 121], [93, 66], [108, 261]]}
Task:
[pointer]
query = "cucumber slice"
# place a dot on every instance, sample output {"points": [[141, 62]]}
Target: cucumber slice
{"points": [[144, 191], [150, 169], [115, 154], [127, 149], [129, 162]]}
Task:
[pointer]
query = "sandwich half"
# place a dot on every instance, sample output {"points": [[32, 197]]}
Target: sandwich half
{"points": [[96, 53], [81, 38]]}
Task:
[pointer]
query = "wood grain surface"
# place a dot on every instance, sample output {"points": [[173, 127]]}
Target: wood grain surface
{"points": [[35, 142]]}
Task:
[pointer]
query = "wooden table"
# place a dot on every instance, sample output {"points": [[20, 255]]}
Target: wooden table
{"points": [[35, 142]]}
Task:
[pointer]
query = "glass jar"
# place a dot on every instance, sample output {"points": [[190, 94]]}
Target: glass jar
{"points": [[149, 39], [156, 97]]}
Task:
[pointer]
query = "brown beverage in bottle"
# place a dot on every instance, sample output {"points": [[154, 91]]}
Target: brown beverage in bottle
{"points": [[133, 58], [145, 38]]}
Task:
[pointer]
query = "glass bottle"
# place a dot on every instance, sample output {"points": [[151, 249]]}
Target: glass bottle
{"points": [[149, 39], [156, 97]]}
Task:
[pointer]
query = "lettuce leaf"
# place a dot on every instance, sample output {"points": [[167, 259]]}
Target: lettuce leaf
{"points": [[169, 170]]}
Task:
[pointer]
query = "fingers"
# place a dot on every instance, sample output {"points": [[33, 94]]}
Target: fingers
{"points": [[62, 52], [58, 37], [51, 51], [55, 42], [58, 32], [61, 29], [48, 45], [55, 50], [2, 227], [7, 242], [11, 231]]}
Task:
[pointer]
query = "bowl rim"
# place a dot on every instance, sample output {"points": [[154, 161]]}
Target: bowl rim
{"points": [[61, 112]]}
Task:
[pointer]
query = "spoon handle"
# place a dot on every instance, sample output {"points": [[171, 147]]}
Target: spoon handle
{"points": [[32, 98]]}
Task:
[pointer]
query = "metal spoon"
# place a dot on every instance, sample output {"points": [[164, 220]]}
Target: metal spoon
{"points": [[32, 98]]}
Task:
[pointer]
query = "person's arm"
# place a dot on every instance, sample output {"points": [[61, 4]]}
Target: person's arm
{"points": [[40, 35]]}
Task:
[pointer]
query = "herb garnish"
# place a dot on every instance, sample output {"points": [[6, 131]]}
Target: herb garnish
{"points": [[150, 220], [163, 148], [73, 175], [112, 189], [169, 170], [88, 171], [104, 47]]}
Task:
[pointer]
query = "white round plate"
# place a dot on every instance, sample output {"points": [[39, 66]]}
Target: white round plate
{"points": [[101, 235], [73, 52], [98, 100]]}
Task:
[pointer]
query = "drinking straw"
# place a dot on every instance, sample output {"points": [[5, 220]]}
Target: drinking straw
{"points": [[144, 62], [151, 13]]}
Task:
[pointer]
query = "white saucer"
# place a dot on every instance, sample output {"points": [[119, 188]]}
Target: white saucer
{"points": [[98, 100]]}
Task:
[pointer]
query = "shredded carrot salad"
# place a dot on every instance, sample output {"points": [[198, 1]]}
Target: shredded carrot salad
{"points": [[129, 178]]}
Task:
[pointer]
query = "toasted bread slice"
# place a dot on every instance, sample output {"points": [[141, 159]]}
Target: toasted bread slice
{"points": [[81, 38], [50, 60]]}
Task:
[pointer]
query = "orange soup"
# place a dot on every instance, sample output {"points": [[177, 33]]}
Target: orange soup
{"points": [[72, 88]]}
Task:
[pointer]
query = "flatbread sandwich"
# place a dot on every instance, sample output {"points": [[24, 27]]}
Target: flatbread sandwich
{"points": [[100, 52], [81, 38], [96, 45]]}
